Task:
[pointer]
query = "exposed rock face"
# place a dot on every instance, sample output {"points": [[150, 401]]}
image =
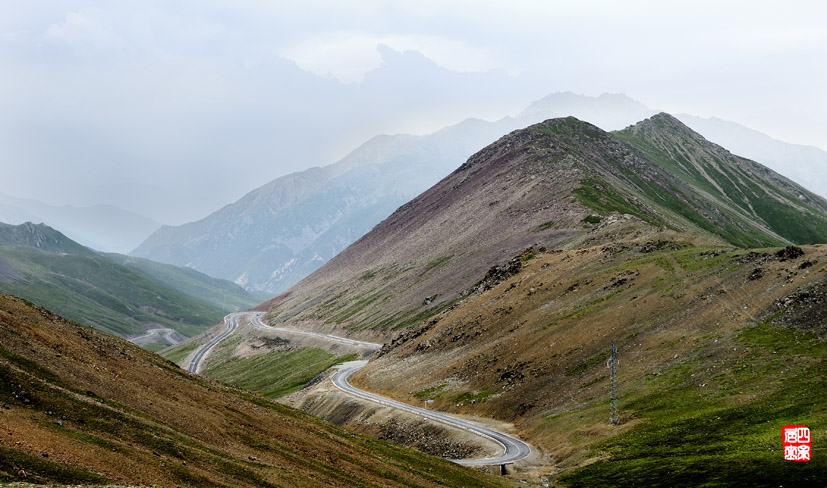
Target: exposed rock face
{"points": [[498, 274], [790, 252], [806, 308]]}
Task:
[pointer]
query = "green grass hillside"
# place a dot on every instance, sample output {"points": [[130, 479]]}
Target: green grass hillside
{"points": [[214, 292], [757, 201], [728, 431], [112, 292], [272, 373], [40, 236], [100, 293], [719, 348]]}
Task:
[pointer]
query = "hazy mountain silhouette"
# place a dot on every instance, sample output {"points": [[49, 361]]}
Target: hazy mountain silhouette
{"points": [[267, 244]]}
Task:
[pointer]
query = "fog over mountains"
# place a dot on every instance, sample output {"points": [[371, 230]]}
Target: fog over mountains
{"points": [[565, 244], [103, 227], [120, 294], [282, 231], [545, 186]]}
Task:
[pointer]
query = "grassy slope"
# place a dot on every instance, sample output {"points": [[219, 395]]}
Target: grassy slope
{"points": [[214, 292], [273, 373], [727, 435], [740, 187], [98, 292], [710, 368], [86, 407], [42, 237]]}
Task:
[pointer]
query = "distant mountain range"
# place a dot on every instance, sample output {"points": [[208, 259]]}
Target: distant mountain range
{"points": [[102, 227], [806, 165], [500, 292], [284, 230], [116, 293], [556, 185]]}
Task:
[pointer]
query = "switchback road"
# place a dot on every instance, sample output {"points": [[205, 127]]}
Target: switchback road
{"points": [[256, 320], [232, 322], [153, 335], [513, 448]]}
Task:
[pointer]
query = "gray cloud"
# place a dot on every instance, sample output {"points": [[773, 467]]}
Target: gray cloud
{"points": [[195, 102]]}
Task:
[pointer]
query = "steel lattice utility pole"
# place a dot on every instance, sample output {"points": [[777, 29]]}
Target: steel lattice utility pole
{"points": [[614, 418]]}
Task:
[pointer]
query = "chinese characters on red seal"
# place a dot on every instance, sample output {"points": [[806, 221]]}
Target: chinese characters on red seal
{"points": [[796, 443]]}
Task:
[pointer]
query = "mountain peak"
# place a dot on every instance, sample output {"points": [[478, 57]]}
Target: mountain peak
{"points": [[664, 123], [567, 126], [40, 236], [665, 130], [561, 183], [607, 111], [566, 131], [664, 117]]}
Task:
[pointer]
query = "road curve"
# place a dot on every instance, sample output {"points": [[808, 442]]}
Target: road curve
{"points": [[162, 332], [232, 322], [513, 448], [256, 320]]}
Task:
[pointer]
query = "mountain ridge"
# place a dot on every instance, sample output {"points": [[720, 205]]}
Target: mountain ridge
{"points": [[731, 180], [272, 265], [288, 233], [547, 185], [105, 228], [119, 294], [40, 236]]}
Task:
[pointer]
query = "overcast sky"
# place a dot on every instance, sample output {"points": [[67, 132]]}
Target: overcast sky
{"points": [[135, 102]]}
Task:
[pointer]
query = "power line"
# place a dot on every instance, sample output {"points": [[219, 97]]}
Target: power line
{"points": [[614, 416]]}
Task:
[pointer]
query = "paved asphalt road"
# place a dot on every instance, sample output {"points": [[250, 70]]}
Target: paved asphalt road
{"points": [[513, 449], [232, 322], [256, 320], [166, 333]]}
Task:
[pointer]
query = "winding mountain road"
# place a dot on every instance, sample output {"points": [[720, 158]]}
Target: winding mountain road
{"points": [[232, 322], [152, 335], [513, 448], [256, 321]]}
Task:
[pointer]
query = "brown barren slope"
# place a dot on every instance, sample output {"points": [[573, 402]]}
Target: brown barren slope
{"points": [[514, 193], [706, 332], [546, 186], [81, 406], [642, 240]]}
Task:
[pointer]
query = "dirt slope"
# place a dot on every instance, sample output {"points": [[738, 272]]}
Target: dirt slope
{"points": [[546, 186], [706, 332], [81, 406]]}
